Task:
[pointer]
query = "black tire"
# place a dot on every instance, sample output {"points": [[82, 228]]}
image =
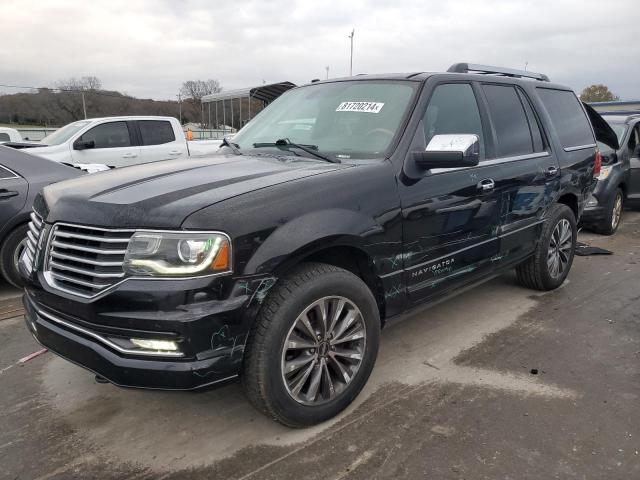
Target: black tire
{"points": [[535, 271], [11, 249], [262, 372], [613, 217]]}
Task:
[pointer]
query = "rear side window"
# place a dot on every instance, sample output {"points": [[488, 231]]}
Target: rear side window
{"points": [[509, 120], [4, 137], [156, 132], [453, 109], [6, 173], [567, 117], [109, 135]]}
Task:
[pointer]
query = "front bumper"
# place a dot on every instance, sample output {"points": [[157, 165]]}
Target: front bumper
{"points": [[208, 319]]}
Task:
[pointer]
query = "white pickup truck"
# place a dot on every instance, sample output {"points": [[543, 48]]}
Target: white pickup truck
{"points": [[119, 142]]}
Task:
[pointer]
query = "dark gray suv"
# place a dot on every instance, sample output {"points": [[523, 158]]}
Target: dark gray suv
{"points": [[619, 179]]}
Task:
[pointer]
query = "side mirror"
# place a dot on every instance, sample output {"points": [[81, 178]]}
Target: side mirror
{"points": [[449, 151], [83, 144]]}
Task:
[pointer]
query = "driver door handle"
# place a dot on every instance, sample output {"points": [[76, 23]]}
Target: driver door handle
{"points": [[130, 155], [6, 194], [486, 185], [551, 171]]}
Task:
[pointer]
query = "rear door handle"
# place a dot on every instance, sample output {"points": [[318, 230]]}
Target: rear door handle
{"points": [[6, 194], [551, 171], [175, 152], [130, 155], [486, 185]]}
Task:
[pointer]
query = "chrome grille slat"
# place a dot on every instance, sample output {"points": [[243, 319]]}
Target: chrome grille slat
{"points": [[92, 238], [73, 258], [34, 234], [84, 260], [66, 278], [82, 248], [89, 273]]}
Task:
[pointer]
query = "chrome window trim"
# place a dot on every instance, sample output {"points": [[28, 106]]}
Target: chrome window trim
{"points": [[15, 175], [579, 147], [51, 283], [105, 340], [496, 161]]}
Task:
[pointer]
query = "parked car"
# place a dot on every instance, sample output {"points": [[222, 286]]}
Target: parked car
{"points": [[22, 176], [9, 135], [619, 179], [279, 259], [119, 142]]}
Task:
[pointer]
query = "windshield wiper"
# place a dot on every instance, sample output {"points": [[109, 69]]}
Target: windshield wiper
{"points": [[310, 149], [235, 148]]}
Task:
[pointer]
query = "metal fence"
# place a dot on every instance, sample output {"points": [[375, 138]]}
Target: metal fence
{"points": [[35, 133], [38, 133]]}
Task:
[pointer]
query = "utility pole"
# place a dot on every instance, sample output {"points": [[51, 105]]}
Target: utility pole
{"points": [[327, 69], [180, 107], [526, 64], [353, 31], [84, 106]]}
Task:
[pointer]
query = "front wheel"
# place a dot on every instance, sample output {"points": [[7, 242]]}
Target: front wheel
{"points": [[10, 252], [549, 266], [313, 346]]}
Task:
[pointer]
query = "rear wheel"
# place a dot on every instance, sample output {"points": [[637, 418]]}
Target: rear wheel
{"points": [[553, 257], [313, 346], [614, 214], [13, 246]]}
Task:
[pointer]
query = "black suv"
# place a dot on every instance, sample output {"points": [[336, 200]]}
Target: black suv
{"points": [[343, 204], [619, 179]]}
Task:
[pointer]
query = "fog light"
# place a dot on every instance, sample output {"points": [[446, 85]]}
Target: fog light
{"points": [[592, 202], [159, 345]]}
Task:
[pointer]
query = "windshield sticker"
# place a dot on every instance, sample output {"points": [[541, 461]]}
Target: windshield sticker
{"points": [[365, 107]]}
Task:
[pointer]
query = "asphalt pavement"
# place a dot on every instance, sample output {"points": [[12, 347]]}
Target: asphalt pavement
{"points": [[499, 382]]}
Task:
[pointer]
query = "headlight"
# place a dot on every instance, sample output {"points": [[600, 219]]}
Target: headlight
{"points": [[604, 172], [179, 254]]}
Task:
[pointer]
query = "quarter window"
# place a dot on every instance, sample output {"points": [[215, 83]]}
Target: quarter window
{"points": [[6, 173], [156, 132], [509, 120], [567, 117], [4, 137], [109, 135], [453, 109]]}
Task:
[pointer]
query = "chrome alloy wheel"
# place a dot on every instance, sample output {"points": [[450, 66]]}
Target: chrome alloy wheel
{"points": [[18, 252], [617, 212], [559, 248], [323, 350]]}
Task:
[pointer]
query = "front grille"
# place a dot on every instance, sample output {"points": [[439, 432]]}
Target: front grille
{"points": [[34, 238], [85, 260]]}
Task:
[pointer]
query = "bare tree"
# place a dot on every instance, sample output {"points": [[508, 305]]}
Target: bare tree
{"points": [[80, 84], [196, 89]]}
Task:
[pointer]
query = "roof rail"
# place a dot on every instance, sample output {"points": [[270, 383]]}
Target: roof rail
{"points": [[489, 70]]}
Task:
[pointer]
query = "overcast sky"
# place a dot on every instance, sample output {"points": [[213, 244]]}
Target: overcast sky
{"points": [[147, 48]]}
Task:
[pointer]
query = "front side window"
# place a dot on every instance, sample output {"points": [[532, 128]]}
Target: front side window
{"points": [[108, 135], [567, 117], [509, 120], [634, 138], [156, 132], [453, 109], [65, 133], [351, 119]]}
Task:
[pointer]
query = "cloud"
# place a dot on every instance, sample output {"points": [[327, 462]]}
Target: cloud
{"points": [[148, 47]]}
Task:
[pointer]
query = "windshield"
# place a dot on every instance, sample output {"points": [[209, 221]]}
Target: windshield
{"points": [[63, 134], [352, 119]]}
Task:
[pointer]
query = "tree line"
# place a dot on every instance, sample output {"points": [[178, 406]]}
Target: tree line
{"points": [[69, 99]]}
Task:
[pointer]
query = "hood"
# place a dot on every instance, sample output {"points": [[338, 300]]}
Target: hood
{"points": [[604, 132], [163, 194]]}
